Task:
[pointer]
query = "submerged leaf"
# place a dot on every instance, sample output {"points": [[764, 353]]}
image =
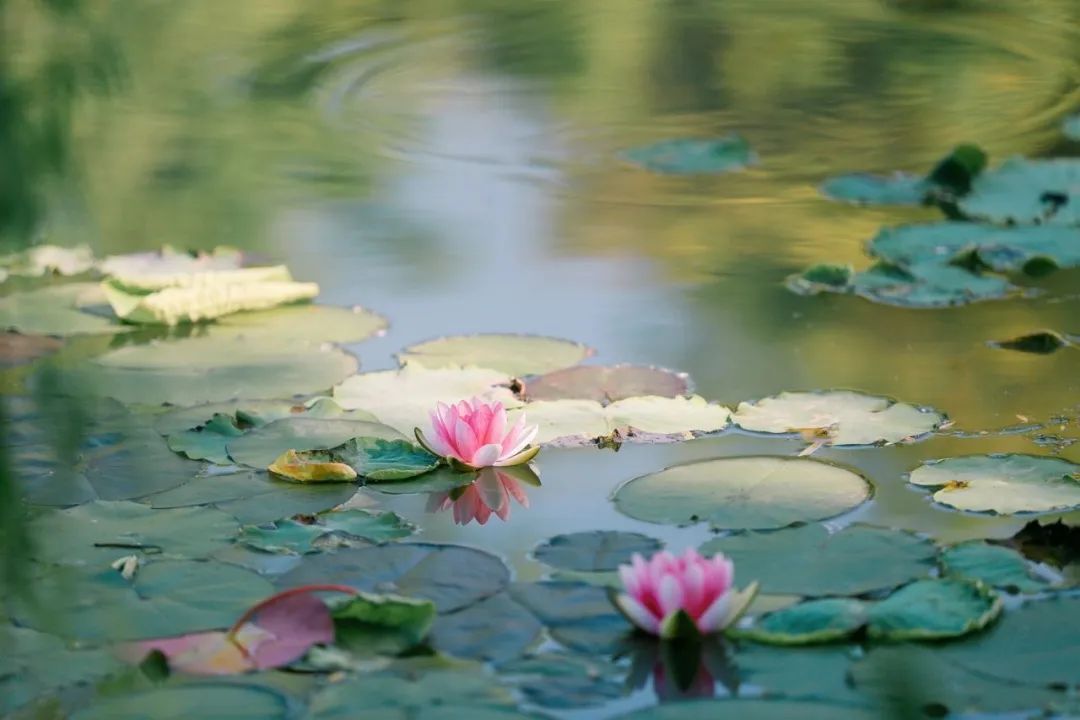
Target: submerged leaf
{"points": [[593, 551]]}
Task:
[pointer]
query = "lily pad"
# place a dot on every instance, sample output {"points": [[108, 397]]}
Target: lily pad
{"points": [[949, 244], [258, 448], [183, 702], [650, 418], [579, 616], [809, 560], [334, 529], [561, 681], [814, 621], [200, 370], [753, 492], [693, 156], [451, 576], [496, 629], [776, 709], [595, 550], [841, 417], [925, 285], [605, 384], [1004, 484], [314, 466], [992, 565], [253, 497], [303, 323], [56, 310], [380, 460], [41, 260], [809, 673], [16, 349], [368, 624], [511, 354], [1026, 192], [1070, 127], [951, 177], [156, 267], [1043, 342]]}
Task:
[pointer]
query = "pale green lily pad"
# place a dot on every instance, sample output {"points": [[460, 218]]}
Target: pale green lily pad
{"points": [[496, 629], [840, 417], [258, 448], [926, 285], [648, 419], [57, 310], [200, 370], [403, 399], [451, 576], [605, 384], [993, 565], [1038, 644], [514, 355], [253, 497], [1002, 249], [99, 532], [1003, 484], [184, 702], [158, 268], [368, 624], [773, 709], [332, 530], [1027, 192], [754, 492], [594, 550], [380, 460], [41, 260], [809, 560], [579, 616], [561, 681], [303, 323], [693, 156], [164, 598], [951, 177]]}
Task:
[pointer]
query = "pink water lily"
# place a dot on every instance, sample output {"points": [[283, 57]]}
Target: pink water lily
{"points": [[670, 595], [473, 434]]}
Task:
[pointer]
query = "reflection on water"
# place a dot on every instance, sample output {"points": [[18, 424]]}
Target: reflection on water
{"points": [[682, 669], [489, 494]]}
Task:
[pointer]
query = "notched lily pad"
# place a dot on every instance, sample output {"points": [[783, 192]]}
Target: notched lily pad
{"points": [[511, 354], [950, 178], [753, 492], [605, 384], [378, 460], [1026, 192], [694, 156], [332, 530], [579, 616], [927, 285], [992, 565], [1005, 484], [838, 417], [974, 246], [594, 550]]}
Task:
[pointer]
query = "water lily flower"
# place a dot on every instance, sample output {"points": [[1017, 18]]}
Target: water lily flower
{"points": [[473, 434], [488, 495], [679, 596]]}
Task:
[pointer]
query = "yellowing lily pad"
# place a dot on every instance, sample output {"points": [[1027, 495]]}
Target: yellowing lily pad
{"points": [[1003, 484], [754, 492], [291, 466], [515, 355], [839, 417]]}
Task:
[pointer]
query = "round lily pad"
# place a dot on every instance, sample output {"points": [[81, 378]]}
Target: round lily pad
{"points": [[204, 369], [650, 418], [259, 447], [868, 189], [1003, 484], [511, 354], [451, 576], [496, 629], [380, 460], [330, 530], [1003, 249], [753, 492], [1027, 192], [606, 384], [775, 709], [809, 560], [302, 323], [814, 621], [693, 156], [841, 417], [183, 702], [579, 616], [993, 565], [933, 609], [594, 550], [57, 310], [562, 681]]}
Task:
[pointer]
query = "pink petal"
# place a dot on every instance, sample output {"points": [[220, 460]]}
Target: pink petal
{"points": [[523, 441], [638, 614], [485, 456], [715, 616], [465, 441], [671, 595], [510, 440], [630, 580], [497, 427]]}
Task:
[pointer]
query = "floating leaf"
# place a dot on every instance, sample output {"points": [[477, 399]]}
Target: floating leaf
{"points": [[811, 673], [1043, 342], [56, 310], [560, 681], [774, 709], [581, 617], [605, 384], [575, 422], [451, 576], [992, 565], [692, 156], [302, 323], [385, 460], [387, 624], [183, 702], [1070, 126], [157, 268], [511, 354], [821, 278], [1003, 484], [841, 417], [333, 529], [809, 560], [493, 630], [1026, 192], [40, 260], [755, 492], [595, 550], [291, 466], [262, 446], [16, 349], [926, 285], [814, 621], [1002, 249], [951, 177]]}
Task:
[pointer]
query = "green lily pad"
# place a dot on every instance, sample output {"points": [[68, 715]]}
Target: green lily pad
{"points": [[809, 673], [814, 621], [253, 497], [204, 369], [777, 709], [1003, 484], [605, 384], [809, 560], [992, 565], [451, 576], [183, 702], [515, 355], [952, 176], [368, 624], [380, 460], [56, 310], [99, 532], [333, 529], [1070, 127], [440, 480], [258, 448], [1038, 644], [164, 598], [496, 629], [1027, 192], [302, 324], [754, 492], [1043, 342], [926, 285], [579, 616], [595, 550], [693, 156], [208, 441], [561, 681], [841, 417], [1002, 249]]}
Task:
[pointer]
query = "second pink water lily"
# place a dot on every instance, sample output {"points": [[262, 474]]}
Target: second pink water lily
{"points": [[475, 434]]}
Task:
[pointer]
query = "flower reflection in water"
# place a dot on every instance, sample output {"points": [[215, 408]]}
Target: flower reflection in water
{"points": [[682, 669], [489, 494]]}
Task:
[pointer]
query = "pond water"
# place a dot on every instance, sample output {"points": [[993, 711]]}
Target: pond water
{"points": [[456, 167]]}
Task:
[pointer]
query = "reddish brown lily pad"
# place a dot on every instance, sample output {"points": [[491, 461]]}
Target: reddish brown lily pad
{"points": [[606, 384], [17, 349]]}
